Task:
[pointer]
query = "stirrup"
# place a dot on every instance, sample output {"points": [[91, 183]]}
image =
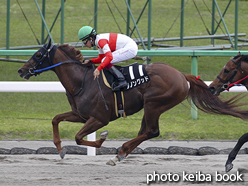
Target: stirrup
{"points": [[119, 86]]}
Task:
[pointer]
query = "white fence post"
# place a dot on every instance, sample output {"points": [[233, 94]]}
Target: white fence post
{"points": [[91, 151]]}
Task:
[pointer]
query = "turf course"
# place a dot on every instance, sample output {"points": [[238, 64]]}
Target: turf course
{"points": [[29, 115]]}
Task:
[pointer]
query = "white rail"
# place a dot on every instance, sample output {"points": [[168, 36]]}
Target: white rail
{"points": [[233, 89], [56, 86]]}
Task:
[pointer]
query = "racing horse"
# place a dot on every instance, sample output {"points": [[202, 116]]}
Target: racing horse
{"points": [[167, 88], [234, 72]]}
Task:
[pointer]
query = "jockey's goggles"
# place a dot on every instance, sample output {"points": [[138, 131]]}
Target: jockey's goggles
{"points": [[85, 41]]}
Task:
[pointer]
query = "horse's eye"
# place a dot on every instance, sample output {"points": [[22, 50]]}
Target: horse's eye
{"points": [[226, 71], [38, 55]]}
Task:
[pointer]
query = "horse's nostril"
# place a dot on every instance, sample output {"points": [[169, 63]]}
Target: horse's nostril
{"points": [[20, 71], [212, 89]]}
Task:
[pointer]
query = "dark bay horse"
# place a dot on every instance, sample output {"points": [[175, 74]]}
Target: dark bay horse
{"points": [[167, 88], [235, 71]]}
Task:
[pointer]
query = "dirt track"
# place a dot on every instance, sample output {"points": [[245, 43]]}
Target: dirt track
{"points": [[48, 170]]}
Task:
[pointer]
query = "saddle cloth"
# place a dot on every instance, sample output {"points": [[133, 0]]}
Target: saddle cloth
{"points": [[135, 75]]}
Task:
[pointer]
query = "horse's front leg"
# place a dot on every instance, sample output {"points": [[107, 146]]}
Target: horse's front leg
{"points": [[90, 126], [68, 116]]}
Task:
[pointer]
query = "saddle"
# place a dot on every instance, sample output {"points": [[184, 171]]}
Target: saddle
{"points": [[135, 75]]}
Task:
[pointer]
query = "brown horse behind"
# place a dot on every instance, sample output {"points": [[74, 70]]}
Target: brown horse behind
{"points": [[234, 72], [167, 88]]}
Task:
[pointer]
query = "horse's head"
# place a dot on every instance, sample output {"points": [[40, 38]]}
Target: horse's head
{"points": [[231, 72], [42, 59]]}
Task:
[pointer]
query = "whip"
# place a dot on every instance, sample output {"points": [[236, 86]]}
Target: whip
{"points": [[106, 106]]}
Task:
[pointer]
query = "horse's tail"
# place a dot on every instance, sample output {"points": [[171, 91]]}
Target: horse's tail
{"points": [[205, 101]]}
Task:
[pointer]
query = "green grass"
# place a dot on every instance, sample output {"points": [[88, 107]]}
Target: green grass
{"points": [[29, 115]]}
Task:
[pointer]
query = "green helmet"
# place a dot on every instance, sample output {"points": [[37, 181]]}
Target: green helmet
{"points": [[86, 32]]}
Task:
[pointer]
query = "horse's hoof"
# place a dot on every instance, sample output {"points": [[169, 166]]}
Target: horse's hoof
{"points": [[104, 134], [111, 162], [62, 153], [229, 167]]}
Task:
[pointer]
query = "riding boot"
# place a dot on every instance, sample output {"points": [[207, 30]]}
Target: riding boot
{"points": [[119, 76]]}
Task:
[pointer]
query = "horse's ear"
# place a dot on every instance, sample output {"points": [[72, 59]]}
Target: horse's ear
{"points": [[49, 43], [239, 54]]}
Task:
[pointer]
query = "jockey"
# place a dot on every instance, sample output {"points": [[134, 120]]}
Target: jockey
{"points": [[113, 48]]}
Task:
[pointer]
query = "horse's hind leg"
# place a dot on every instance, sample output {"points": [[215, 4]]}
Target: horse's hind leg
{"points": [[146, 132], [90, 126], [143, 126], [232, 155]]}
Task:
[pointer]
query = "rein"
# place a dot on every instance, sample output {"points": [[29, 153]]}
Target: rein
{"points": [[237, 82], [81, 88], [61, 63], [50, 67]]}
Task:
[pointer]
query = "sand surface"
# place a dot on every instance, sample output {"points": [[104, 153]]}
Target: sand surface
{"points": [[138, 169]]}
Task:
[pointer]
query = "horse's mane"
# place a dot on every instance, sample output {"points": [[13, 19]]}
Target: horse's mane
{"points": [[72, 52], [243, 57]]}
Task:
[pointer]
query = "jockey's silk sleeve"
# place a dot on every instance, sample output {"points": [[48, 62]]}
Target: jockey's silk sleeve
{"points": [[105, 47]]}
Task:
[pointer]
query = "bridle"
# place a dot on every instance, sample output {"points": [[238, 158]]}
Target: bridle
{"points": [[227, 83], [44, 62], [46, 55]]}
